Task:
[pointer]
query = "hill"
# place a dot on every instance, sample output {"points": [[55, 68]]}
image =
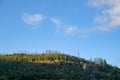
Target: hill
{"points": [[54, 66]]}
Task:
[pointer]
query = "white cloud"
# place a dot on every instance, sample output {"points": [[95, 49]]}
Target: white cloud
{"points": [[57, 22], [67, 29], [110, 15], [98, 3], [107, 20], [74, 30], [32, 19], [71, 30]]}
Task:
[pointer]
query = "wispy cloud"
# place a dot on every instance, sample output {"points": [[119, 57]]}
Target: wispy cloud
{"points": [[98, 3], [57, 22], [107, 20], [67, 29], [32, 19], [71, 30], [110, 15]]}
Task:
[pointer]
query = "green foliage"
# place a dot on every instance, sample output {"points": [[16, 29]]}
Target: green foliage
{"points": [[54, 66], [101, 62]]}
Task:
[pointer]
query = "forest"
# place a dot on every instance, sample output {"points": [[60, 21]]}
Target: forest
{"points": [[54, 65]]}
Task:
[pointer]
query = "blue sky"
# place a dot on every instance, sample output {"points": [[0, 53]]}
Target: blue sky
{"points": [[90, 26]]}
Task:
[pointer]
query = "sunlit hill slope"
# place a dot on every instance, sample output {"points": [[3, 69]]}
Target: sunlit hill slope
{"points": [[54, 66]]}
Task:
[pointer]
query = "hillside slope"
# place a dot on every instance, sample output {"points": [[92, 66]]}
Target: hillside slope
{"points": [[54, 66]]}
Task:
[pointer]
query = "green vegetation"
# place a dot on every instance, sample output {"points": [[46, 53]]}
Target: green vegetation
{"points": [[54, 66]]}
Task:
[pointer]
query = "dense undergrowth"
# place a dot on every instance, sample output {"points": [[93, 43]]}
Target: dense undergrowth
{"points": [[54, 66]]}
